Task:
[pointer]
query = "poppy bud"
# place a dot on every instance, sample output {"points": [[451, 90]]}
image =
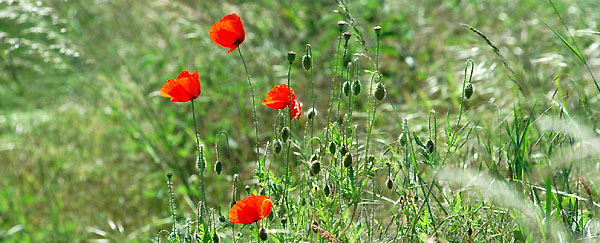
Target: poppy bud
{"points": [[344, 150], [218, 167], [332, 147], [285, 134], [430, 146], [468, 90], [347, 88], [377, 30], [380, 91], [263, 234], [222, 219], [347, 35], [315, 168], [389, 183], [291, 56], [169, 175], [278, 146], [356, 87], [348, 160], [341, 24], [327, 190], [306, 62], [312, 113], [247, 189], [215, 238]]}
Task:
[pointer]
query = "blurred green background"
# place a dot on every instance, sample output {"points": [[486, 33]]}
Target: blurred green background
{"points": [[86, 139]]}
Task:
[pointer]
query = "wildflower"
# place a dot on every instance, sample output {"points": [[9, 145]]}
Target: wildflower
{"points": [[184, 88], [228, 32], [279, 97], [250, 209]]}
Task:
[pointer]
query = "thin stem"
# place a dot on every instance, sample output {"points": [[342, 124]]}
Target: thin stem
{"points": [[253, 108], [337, 56], [201, 162], [289, 143]]}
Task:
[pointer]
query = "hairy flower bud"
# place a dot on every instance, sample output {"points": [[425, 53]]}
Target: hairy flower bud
{"points": [[218, 167], [327, 190], [332, 147], [315, 168], [468, 90], [306, 62], [263, 234], [347, 88], [379, 91], [389, 183], [356, 87], [278, 146], [285, 134], [347, 160]]}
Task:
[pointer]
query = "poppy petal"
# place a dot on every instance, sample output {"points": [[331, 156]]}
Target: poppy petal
{"points": [[250, 209], [184, 88], [279, 97], [296, 110], [228, 32]]}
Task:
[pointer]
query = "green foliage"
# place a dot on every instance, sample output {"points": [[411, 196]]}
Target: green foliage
{"points": [[86, 139]]}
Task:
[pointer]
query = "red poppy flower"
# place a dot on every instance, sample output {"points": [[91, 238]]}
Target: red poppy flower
{"points": [[228, 32], [296, 110], [279, 97], [250, 209], [184, 88]]}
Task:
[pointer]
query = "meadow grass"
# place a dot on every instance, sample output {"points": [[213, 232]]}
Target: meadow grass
{"points": [[86, 141]]}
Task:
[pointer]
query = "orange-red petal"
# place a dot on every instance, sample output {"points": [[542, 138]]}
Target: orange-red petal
{"points": [[250, 209], [228, 32], [279, 97], [184, 88], [296, 110]]}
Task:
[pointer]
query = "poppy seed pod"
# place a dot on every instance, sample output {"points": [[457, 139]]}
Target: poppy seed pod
{"points": [[291, 56], [247, 189], [348, 160], [315, 168], [377, 30], [285, 134], [379, 91], [306, 62], [347, 88], [389, 183], [332, 147], [278, 146], [430, 146], [222, 219], [263, 234], [468, 90], [347, 35], [218, 167], [341, 24], [327, 190], [169, 175], [356, 87]]}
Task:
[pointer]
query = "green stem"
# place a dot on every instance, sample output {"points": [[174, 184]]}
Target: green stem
{"points": [[202, 163], [253, 108], [337, 56]]}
